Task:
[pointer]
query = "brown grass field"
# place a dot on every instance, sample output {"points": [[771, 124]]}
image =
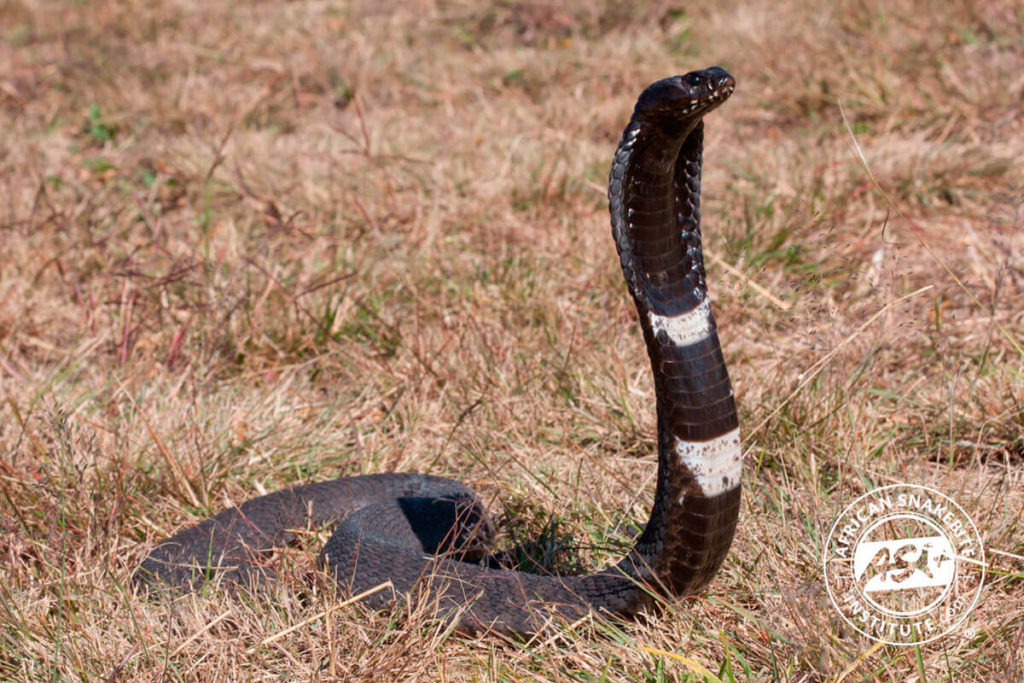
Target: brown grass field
{"points": [[245, 245]]}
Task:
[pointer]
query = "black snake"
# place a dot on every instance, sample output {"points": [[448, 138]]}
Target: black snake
{"points": [[424, 532]]}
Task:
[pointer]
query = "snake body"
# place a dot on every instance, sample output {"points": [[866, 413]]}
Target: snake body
{"points": [[421, 532]]}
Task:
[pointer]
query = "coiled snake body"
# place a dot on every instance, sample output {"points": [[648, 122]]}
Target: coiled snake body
{"points": [[390, 522]]}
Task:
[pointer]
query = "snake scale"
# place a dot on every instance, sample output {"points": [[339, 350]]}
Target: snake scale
{"points": [[422, 532]]}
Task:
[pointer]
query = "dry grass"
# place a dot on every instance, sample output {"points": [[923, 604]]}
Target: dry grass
{"points": [[252, 244]]}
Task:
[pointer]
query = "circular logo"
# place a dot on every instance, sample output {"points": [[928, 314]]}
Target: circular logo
{"points": [[904, 564]]}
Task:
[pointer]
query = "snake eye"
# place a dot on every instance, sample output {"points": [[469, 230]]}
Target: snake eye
{"points": [[693, 79]]}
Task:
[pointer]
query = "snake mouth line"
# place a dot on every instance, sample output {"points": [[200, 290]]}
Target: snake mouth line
{"points": [[708, 103]]}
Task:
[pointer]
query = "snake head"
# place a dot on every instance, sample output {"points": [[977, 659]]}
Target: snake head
{"points": [[687, 97]]}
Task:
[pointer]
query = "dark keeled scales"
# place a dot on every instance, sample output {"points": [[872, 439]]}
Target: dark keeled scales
{"points": [[390, 523]]}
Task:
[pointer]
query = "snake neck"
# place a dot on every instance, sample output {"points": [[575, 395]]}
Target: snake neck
{"points": [[654, 199]]}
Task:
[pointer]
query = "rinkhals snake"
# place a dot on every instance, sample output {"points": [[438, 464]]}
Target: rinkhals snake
{"points": [[390, 525]]}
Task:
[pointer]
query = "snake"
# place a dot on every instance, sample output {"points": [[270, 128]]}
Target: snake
{"points": [[399, 536]]}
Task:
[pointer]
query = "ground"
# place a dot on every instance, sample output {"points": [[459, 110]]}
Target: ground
{"points": [[246, 245]]}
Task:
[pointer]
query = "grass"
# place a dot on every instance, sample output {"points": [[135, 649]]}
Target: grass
{"points": [[248, 245]]}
